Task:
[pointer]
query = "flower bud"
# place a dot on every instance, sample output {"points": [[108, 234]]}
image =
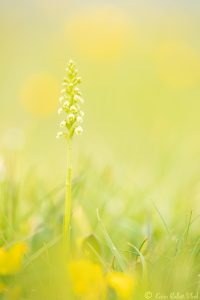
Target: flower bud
{"points": [[60, 110], [73, 109], [78, 130], [66, 104], [59, 134], [78, 80], [70, 118], [61, 99], [82, 113], [79, 119], [78, 99], [63, 124]]}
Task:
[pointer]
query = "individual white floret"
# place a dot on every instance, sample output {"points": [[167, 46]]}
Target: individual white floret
{"points": [[59, 134], [61, 99], [60, 110], [81, 113], [79, 119], [78, 99], [66, 104], [73, 109], [70, 118], [63, 124], [79, 130]]}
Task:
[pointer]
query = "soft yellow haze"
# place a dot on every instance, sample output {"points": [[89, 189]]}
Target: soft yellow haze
{"points": [[39, 94], [100, 33], [177, 64], [140, 70]]}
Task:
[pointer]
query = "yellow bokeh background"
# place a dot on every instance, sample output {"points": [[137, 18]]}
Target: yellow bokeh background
{"points": [[39, 94], [140, 67], [101, 33]]}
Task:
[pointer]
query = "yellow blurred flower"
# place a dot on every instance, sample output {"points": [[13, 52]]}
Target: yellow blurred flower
{"points": [[11, 259], [2, 288], [13, 293], [87, 279], [100, 33], [39, 94], [121, 283]]}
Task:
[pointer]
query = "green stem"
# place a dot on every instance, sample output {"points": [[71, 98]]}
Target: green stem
{"points": [[68, 205]]}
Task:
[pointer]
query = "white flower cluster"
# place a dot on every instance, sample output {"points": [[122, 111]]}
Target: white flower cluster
{"points": [[70, 101]]}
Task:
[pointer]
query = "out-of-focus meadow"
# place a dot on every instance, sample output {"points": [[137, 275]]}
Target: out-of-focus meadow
{"points": [[138, 159]]}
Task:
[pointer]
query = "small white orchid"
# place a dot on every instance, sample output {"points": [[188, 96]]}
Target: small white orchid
{"points": [[70, 102]]}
